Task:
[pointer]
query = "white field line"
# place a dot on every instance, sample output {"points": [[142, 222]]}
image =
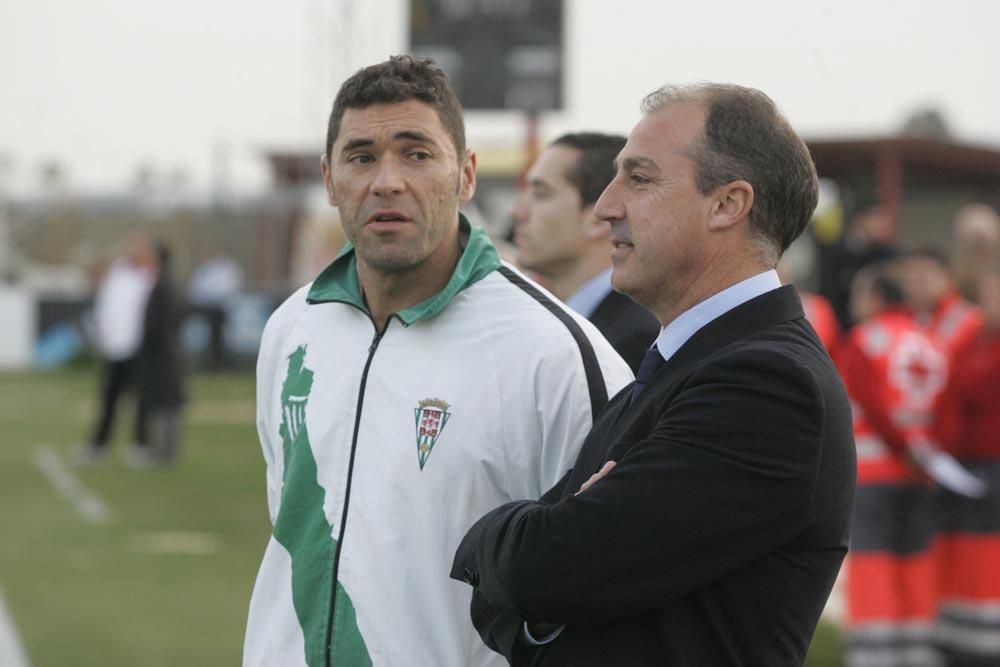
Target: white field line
{"points": [[11, 650], [87, 505]]}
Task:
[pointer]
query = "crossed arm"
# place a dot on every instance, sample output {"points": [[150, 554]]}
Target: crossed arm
{"points": [[727, 475]]}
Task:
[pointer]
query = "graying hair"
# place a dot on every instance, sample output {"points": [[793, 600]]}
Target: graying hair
{"points": [[747, 138]]}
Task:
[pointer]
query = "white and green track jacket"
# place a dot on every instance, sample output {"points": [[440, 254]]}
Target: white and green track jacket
{"points": [[382, 450]]}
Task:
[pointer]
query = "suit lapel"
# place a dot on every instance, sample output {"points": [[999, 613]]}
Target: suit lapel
{"points": [[611, 433], [760, 313]]}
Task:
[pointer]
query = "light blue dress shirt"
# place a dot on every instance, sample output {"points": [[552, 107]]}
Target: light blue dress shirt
{"points": [[673, 336], [586, 299]]}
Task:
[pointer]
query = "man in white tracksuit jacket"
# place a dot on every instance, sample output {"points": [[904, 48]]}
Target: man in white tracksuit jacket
{"points": [[416, 384]]}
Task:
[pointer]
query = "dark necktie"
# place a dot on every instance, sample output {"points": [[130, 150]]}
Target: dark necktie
{"points": [[650, 364]]}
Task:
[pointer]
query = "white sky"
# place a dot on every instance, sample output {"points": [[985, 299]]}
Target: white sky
{"points": [[105, 85]]}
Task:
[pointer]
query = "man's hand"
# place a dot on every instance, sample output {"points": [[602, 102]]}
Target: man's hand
{"points": [[600, 474]]}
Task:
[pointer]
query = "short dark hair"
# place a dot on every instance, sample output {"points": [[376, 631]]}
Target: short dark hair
{"points": [[888, 289], [595, 167], [747, 138], [880, 279], [398, 79]]}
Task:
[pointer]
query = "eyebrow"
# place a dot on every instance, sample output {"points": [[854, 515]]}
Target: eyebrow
{"points": [[632, 163], [405, 135], [412, 135], [357, 143]]}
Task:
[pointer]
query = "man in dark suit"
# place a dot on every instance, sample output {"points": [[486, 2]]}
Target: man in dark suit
{"points": [[707, 515], [559, 238]]}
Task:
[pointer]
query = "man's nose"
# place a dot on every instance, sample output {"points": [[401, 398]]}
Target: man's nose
{"points": [[609, 206], [520, 210], [388, 178]]}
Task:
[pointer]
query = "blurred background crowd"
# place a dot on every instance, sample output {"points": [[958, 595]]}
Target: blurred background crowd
{"points": [[154, 240]]}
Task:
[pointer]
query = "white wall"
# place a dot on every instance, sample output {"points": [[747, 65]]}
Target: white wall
{"points": [[17, 328]]}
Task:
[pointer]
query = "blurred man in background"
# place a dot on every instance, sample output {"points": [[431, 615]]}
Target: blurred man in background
{"points": [[160, 376], [213, 285], [869, 238], [934, 299], [893, 372], [119, 309], [559, 237], [415, 384], [975, 247]]}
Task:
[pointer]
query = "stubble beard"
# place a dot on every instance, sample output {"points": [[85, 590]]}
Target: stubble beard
{"points": [[390, 256], [400, 256]]}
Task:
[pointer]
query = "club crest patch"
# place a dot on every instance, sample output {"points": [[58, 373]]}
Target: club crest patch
{"points": [[431, 416]]}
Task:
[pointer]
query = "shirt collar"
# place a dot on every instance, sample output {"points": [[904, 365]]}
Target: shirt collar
{"points": [[339, 281], [586, 299], [675, 334]]}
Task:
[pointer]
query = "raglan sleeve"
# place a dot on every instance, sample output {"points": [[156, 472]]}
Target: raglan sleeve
{"points": [[572, 379], [573, 384], [267, 428]]}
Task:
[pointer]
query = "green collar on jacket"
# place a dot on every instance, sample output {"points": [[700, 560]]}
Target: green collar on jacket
{"points": [[339, 281]]}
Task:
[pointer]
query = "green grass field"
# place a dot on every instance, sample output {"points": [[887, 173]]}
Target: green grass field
{"points": [[166, 579]]}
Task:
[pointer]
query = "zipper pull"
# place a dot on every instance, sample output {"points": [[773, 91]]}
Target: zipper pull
{"points": [[375, 340]]}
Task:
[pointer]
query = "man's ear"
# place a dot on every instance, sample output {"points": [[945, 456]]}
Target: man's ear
{"points": [[324, 167], [594, 229], [467, 176], [731, 203]]}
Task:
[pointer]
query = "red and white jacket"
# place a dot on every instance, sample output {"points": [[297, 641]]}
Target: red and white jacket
{"points": [[893, 372], [968, 411], [954, 323]]}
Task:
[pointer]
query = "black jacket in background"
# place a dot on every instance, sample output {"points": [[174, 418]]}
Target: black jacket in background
{"points": [[630, 328], [159, 363], [716, 539]]}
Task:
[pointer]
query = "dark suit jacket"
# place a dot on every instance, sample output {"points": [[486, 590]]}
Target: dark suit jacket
{"points": [[718, 536], [629, 327]]}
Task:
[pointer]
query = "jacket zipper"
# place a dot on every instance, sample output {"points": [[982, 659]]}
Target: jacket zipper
{"points": [[347, 493]]}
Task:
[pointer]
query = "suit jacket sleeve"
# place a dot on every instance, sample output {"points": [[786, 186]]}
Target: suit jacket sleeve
{"points": [[727, 475], [498, 626], [564, 402]]}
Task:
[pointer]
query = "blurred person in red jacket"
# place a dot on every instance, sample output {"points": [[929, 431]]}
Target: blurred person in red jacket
{"points": [[933, 296], [893, 373], [968, 424]]}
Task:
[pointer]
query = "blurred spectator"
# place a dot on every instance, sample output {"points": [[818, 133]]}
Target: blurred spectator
{"points": [[893, 372], [818, 310], [119, 308], [976, 247], [160, 376], [932, 296], [559, 238], [968, 425], [868, 239], [214, 283]]}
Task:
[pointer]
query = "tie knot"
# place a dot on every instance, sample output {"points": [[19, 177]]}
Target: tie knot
{"points": [[650, 364]]}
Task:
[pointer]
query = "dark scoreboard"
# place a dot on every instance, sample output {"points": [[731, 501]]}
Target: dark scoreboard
{"points": [[499, 54]]}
